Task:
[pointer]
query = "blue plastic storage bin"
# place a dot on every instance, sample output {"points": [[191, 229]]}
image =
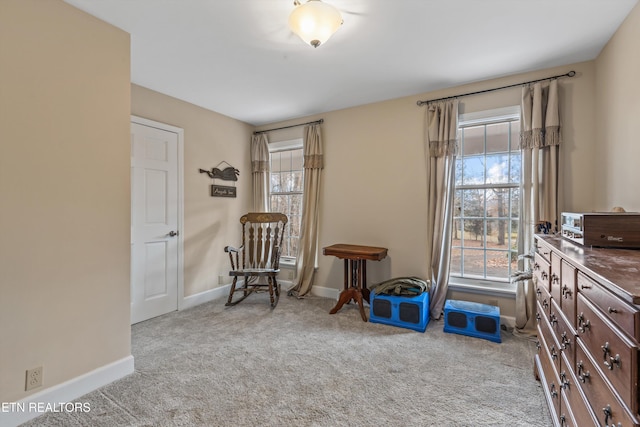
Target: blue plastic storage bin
{"points": [[472, 319], [401, 311]]}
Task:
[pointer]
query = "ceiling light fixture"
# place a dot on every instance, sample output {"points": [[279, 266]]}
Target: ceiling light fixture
{"points": [[314, 21]]}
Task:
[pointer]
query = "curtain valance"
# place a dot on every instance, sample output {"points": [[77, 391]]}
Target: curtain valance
{"points": [[540, 116]]}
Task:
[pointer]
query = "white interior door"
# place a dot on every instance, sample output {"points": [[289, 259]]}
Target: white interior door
{"points": [[154, 221]]}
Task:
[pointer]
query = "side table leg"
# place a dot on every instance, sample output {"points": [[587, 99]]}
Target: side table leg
{"points": [[358, 297], [365, 291], [345, 297], [346, 274]]}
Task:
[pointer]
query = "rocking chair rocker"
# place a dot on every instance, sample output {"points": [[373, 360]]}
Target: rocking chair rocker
{"points": [[262, 234]]}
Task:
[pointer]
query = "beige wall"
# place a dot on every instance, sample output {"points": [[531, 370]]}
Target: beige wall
{"points": [[374, 187], [64, 190], [210, 223], [617, 169], [65, 105]]}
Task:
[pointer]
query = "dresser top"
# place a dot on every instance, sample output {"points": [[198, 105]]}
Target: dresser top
{"points": [[616, 269]]}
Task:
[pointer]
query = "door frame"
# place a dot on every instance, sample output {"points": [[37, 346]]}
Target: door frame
{"points": [[180, 236]]}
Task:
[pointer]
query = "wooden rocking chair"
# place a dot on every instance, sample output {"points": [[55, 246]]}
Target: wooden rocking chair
{"points": [[262, 234]]}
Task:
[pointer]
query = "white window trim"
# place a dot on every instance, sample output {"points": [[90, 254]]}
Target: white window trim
{"points": [[291, 144], [471, 119], [482, 285], [275, 147], [489, 116]]}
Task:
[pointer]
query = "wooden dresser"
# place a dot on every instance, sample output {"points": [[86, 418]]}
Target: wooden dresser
{"points": [[588, 313]]}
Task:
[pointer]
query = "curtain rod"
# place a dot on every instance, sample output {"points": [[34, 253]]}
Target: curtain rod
{"points": [[569, 74], [292, 126]]}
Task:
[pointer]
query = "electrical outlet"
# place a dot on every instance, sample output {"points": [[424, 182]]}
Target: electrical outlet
{"points": [[34, 378]]}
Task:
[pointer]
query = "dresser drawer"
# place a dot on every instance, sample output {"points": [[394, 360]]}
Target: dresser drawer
{"points": [[553, 346], [554, 276], [544, 298], [614, 353], [568, 292], [566, 413], [574, 406], [606, 407], [620, 313], [563, 333], [540, 313], [549, 379], [541, 269], [543, 250]]}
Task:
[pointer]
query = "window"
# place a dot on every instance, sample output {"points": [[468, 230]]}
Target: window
{"points": [[487, 176], [286, 189]]}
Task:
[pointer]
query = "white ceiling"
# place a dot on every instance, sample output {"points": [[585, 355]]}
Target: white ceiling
{"points": [[239, 58]]}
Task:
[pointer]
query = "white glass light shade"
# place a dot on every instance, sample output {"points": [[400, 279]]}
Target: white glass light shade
{"points": [[314, 22]]}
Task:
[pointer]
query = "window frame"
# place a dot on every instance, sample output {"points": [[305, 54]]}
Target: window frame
{"points": [[487, 117], [278, 147]]}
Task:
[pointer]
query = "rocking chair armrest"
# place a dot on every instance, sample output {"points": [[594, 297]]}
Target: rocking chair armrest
{"points": [[231, 250]]}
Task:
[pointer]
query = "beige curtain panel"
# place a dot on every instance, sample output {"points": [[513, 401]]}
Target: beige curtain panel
{"points": [[260, 172], [441, 144], [307, 258], [540, 141]]}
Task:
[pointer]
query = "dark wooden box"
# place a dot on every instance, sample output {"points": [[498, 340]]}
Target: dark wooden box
{"points": [[602, 229]]}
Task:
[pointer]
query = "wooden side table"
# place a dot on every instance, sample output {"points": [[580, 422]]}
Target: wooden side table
{"points": [[355, 272]]}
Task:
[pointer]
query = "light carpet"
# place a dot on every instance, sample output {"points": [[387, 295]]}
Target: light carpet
{"points": [[297, 365]]}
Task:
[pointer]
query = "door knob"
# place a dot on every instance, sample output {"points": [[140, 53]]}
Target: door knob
{"points": [[173, 233]]}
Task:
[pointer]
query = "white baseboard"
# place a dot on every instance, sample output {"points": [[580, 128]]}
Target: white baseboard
{"points": [[324, 292], [223, 291], [206, 296], [16, 413]]}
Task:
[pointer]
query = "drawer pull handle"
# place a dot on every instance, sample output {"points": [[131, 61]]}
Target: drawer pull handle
{"points": [[605, 350], [544, 275], [583, 324], [538, 346], [612, 310], [545, 304], [582, 375], [553, 319], [536, 266], [552, 389], [585, 286], [566, 342], [538, 317], [587, 325], [563, 379], [607, 414], [563, 420], [555, 278], [566, 292], [538, 292], [613, 361], [554, 352]]}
